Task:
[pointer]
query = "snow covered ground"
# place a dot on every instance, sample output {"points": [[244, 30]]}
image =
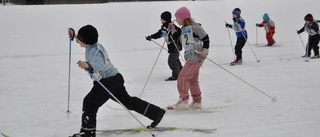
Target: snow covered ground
{"points": [[34, 69]]}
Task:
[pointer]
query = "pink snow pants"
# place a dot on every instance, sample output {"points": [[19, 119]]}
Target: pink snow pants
{"points": [[188, 80]]}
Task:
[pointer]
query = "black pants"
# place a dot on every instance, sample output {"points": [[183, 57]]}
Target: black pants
{"points": [[313, 42], [174, 64], [239, 45], [98, 96]]}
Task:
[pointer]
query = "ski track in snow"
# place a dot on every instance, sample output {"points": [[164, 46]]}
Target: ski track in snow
{"points": [[34, 69]]}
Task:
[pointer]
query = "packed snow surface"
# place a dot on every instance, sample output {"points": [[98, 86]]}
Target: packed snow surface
{"points": [[34, 69]]}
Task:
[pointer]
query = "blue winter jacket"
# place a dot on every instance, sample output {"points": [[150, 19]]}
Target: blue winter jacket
{"points": [[239, 28], [99, 61]]}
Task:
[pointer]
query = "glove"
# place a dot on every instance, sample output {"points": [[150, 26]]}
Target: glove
{"points": [[204, 53], [71, 33], [257, 24], [228, 25], [148, 38], [298, 32], [235, 19]]}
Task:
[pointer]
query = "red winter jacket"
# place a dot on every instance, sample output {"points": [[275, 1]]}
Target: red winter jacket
{"points": [[268, 26]]}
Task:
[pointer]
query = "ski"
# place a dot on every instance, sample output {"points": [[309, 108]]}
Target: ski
{"points": [[157, 129], [203, 110]]}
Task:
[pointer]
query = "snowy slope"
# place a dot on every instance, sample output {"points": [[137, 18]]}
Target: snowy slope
{"points": [[34, 69]]}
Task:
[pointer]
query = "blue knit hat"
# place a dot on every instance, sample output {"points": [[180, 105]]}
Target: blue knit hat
{"points": [[236, 11], [265, 16]]}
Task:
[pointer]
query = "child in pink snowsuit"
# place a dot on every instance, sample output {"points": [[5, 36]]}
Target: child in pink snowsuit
{"points": [[195, 42], [270, 28]]}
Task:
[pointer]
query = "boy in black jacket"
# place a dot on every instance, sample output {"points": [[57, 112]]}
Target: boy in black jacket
{"points": [[174, 45], [312, 28]]}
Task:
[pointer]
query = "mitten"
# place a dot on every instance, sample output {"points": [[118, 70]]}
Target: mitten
{"points": [[148, 38], [204, 53], [228, 25], [71, 33], [235, 19]]}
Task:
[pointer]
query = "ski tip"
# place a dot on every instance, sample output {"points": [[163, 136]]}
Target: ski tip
{"points": [[258, 61], [4, 135], [170, 108]]}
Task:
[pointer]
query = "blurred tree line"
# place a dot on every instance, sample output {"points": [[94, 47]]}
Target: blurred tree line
{"points": [[37, 2]]}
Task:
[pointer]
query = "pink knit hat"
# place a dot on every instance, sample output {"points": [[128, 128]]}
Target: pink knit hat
{"points": [[183, 13]]}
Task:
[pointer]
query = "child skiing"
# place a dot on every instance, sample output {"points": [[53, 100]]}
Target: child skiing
{"points": [[172, 43], [312, 28], [239, 28], [269, 26], [195, 42], [97, 63]]}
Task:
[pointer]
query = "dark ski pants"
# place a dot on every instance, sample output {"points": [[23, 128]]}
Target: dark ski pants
{"points": [[98, 96], [239, 45], [174, 64], [313, 42]]}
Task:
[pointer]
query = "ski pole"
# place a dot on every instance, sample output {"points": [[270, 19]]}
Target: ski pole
{"points": [[258, 60], [231, 44], [154, 64], [307, 48], [115, 98], [167, 50], [161, 46], [273, 99], [234, 57], [256, 35], [175, 44], [69, 77], [177, 48]]}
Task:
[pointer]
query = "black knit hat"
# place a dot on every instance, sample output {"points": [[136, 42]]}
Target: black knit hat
{"points": [[88, 35], [166, 16]]}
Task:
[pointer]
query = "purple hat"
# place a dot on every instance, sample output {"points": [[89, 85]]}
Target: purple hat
{"points": [[236, 11], [183, 13]]}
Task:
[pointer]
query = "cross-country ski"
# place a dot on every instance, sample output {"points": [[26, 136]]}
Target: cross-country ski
{"points": [[242, 68], [157, 129]]}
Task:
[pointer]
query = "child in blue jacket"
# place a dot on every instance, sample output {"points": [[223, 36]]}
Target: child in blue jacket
{"points": [[239, 27], [98, 64]]}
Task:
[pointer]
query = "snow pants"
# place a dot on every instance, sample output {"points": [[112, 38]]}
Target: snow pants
{"points": [[98, 96], [174, 64], [238, 48], [188, 80], [313, 42], [269, 37]]}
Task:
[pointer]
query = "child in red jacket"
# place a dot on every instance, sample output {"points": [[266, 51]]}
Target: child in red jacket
{"points": [[269, 26]]}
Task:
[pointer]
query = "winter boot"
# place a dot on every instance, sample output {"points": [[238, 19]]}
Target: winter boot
{"points": [[172, 78], [315, 57], [180, 105], [83, 134], [158, 118], [236, 62], [195, 105], [304, 56]]}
